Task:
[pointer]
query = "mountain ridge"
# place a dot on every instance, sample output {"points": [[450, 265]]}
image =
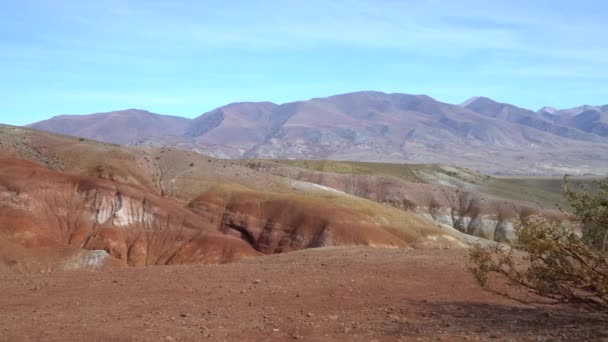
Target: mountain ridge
{"points": [[369, 126], [121, 127]]}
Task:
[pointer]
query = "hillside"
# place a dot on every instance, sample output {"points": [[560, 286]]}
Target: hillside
{"points": [[144, 206]]}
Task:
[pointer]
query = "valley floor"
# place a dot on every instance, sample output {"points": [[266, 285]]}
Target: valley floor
{"points": [[345, 294]]}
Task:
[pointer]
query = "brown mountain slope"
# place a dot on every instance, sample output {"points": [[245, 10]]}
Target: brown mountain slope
{"points": [[374, 126], [525, 117], [592, 121], [371, 122], [119, 127], [234, 118]]}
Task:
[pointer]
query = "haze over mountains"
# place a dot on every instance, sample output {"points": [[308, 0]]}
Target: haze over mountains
{"points": [[481, 133]]}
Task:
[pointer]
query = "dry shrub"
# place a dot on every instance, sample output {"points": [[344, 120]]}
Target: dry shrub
{"points": [[552, 263]]}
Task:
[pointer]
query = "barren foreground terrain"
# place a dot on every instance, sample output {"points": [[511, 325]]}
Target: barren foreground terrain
{"points": [[337, 293]]}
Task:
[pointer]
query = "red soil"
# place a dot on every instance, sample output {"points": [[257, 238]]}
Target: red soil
{"points": [[44, 208], [346, 294]]}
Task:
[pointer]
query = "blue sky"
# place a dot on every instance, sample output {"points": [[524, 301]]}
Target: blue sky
{"points": [[187, 57]]}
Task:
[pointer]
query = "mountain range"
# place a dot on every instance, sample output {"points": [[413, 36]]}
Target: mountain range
{"points": [[480, 133]]}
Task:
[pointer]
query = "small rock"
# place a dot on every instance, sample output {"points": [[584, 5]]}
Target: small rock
{"points": [[257, 281]]}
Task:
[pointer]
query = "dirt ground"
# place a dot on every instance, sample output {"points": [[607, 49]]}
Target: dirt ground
{"points": [[328, 294]]}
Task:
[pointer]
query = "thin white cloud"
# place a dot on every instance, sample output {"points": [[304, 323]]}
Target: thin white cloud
{"points": [[435, 46], [432, 27]]}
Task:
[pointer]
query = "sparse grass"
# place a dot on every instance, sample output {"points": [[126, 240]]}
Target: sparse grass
{"points": [[549, 184], [406, 172], [543, 191], [517, 192]]}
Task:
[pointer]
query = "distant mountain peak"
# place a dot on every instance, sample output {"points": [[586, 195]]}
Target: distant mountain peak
{"points": [[547, 109], [359, 93], [250, 103], [483, 101], [486, 105], [469, 101]]}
